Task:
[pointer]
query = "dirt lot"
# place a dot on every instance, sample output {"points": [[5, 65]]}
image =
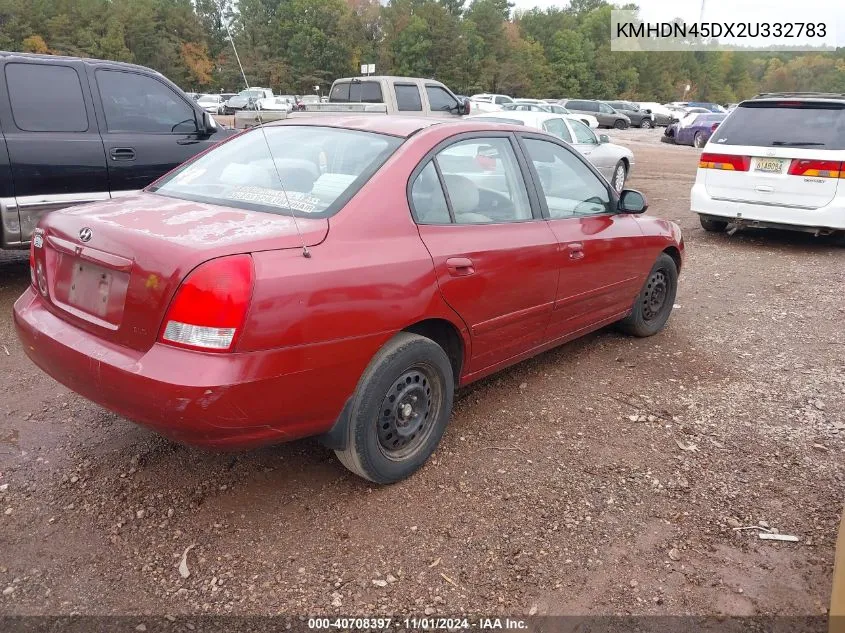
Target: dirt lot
{"points": [[604, 477]]}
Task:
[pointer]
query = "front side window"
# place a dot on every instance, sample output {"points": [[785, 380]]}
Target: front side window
{"points": [[605, 109], [583, 134], [484, 182], [46, 98], [137, 103], [440, 100], [570, 188], [557, 127], [308, 170]]}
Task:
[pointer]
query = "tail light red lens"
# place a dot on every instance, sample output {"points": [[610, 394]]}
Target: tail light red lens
{"points": [[817, 168], [32, 262], [467, 106], [724, 161], [713, 127], [210, 306]]}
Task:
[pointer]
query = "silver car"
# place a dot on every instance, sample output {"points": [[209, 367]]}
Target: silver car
{"points": [[614, 162]]}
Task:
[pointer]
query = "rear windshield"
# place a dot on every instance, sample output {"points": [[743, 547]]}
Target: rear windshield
{"points": [[356, 92], [312, 171], [784, 124]]}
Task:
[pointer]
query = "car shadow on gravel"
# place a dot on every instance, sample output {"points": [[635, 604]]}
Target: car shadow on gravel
{"points": [[792, 240]]}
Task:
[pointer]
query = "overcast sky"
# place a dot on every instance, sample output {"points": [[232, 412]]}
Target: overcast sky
{"points": [[727, 10]]}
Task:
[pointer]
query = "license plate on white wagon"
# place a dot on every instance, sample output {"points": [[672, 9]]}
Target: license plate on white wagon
{"points": [[769, 165]]}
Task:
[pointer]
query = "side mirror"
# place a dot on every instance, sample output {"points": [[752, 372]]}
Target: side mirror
{"points": [[209, 125], [604, 138], [632, 201]]}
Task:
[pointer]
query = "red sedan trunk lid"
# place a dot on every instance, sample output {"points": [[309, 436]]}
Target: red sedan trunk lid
{"points": [[112, 268]]}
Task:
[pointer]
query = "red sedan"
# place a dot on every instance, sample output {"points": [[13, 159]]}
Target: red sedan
{"points": [[339, 277]]}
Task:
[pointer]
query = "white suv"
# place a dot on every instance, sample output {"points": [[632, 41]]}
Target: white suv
{"points": [[778, 161]]}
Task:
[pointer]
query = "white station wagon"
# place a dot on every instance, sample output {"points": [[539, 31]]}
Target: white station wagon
{"points": [[776, 161]]}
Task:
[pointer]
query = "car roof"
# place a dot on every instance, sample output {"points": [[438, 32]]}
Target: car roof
{"points": [[531, 119], [406, 126], [837, 97], [54, 59]]}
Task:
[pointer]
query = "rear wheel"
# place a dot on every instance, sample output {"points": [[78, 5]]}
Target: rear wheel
{"points": [[646, 124], [400, 409], [711, 224], [619, 124], [698, 140], [654, 303]]}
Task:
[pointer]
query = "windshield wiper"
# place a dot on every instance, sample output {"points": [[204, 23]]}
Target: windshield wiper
{"points": [[795, 143]]}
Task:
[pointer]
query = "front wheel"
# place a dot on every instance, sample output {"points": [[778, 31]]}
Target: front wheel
{"points": [[654, 303], [646, 124], [619, 176], [619, 124], [400, 409]]}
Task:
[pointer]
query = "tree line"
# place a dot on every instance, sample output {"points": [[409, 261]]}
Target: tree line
{"points": [[472, 46]]}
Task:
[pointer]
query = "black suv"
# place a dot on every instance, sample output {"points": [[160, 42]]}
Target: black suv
{"points": [[76, 130]]}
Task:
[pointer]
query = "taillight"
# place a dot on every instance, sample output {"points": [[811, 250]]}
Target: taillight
{"points": [[467, 106], [817, 168], [713, 127], [724, 161], [210, 306], [32, 262]]}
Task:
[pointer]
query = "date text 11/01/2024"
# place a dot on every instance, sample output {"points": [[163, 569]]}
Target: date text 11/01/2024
{"points": [[412, 623]]}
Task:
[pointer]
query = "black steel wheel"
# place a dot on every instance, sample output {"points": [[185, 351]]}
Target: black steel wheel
{"points": [[654, 295], [407, 410], [619, 124], [400, 409], [654, 303]]}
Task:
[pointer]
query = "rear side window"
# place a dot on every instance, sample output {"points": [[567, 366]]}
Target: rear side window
{"points": [[784, 124], [427, 197], [557, 127], [583, 134], [137, 103], [483, 182], [46, 98], [408, 98], [440, 100]]}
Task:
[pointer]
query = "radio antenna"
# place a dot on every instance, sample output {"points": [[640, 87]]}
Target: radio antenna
{"points": [[305, 252]]}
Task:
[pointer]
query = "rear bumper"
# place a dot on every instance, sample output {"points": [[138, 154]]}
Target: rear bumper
{"points": [[221, 401], [830, 217]]}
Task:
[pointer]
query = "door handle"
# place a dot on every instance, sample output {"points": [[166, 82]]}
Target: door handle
{"points": [[122, 153], [187, 141], [459, 266], [576, 250]]}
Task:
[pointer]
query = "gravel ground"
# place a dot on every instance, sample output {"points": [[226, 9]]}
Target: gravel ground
{"points": [[604, 477]]}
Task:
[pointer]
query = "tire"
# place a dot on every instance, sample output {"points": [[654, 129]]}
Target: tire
{"points": [[620, 174], [619, 124], [654, 303], [698, 141], [646, 124], [712, 225], [389, 435]]}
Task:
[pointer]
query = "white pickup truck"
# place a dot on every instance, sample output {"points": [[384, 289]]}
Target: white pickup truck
{"points": [[410, 96]]}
